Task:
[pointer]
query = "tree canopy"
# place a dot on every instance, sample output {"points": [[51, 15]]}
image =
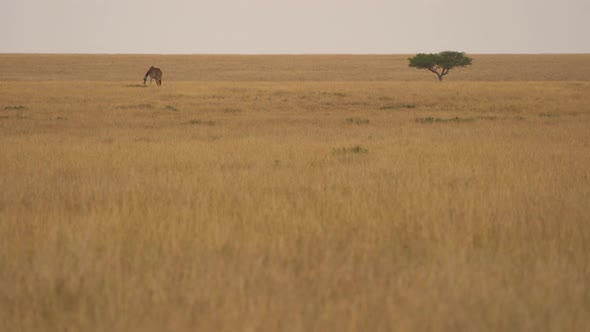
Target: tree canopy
{"points": [[440, 63]]}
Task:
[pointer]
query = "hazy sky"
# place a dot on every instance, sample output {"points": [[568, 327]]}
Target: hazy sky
{"points": [[294, 26]]}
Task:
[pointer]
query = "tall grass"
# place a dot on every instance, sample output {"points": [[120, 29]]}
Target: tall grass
{"points": [[282, 215]]}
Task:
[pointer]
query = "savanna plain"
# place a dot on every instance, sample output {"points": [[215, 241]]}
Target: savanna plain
{"points": [[294, 193]]}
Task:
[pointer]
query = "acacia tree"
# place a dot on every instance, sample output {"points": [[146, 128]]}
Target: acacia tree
{"points": [[440, 63]]}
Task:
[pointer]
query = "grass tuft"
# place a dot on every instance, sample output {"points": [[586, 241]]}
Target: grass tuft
{"points": [[231, 110], [357, 149], [397, 106], [202, 122], [357, 121], [15, 108], [453, 120], [135, 107]]}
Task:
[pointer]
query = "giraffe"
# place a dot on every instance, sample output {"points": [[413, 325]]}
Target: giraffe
{"points": [[154, 73]]}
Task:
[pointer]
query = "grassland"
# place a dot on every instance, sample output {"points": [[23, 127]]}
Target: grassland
{"points": [[294, 193]]}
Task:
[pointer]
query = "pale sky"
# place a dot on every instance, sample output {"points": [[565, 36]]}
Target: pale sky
{"points": [[294, 26]]}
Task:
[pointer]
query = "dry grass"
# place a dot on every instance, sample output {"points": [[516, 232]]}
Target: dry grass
{"points": [[281, 68], [228, 203]]}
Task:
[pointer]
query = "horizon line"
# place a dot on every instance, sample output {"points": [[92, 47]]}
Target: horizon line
{"points": [[279, 54]]}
